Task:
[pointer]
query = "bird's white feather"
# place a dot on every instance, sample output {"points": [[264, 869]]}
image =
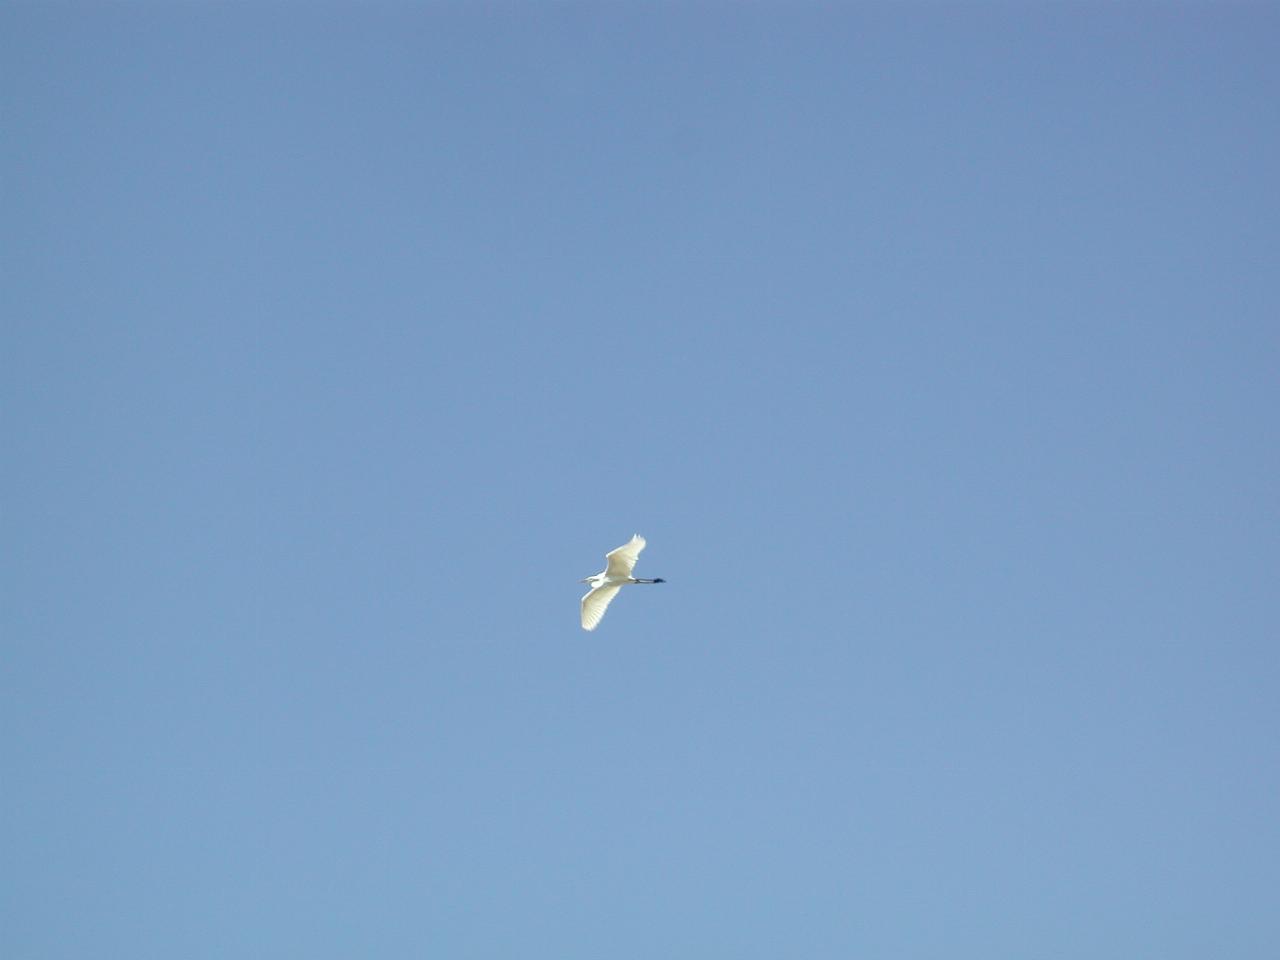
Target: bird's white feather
{"points": [[623, 560], [595, 603]]}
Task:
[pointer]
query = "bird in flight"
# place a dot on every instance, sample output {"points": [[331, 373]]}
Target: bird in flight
{"points": [[606, 584]]}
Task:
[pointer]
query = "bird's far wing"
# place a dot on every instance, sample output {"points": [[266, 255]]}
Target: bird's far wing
{"points": [[595, 603], [623, 560]]}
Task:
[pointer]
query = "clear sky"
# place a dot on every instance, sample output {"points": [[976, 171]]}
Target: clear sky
{"points": [[933, 348]]}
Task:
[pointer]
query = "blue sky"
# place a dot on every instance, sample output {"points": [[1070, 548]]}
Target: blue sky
{"points": [[933, 348]]}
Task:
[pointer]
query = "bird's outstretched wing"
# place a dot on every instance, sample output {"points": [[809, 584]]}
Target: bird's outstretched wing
{"points": [[595, 603], [623, 560]]}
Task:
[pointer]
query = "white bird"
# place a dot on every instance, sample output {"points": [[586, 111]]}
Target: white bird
{"points": [[606, 584]]}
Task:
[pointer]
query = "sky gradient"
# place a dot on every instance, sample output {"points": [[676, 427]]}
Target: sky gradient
{"points": [[931, 348]]}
